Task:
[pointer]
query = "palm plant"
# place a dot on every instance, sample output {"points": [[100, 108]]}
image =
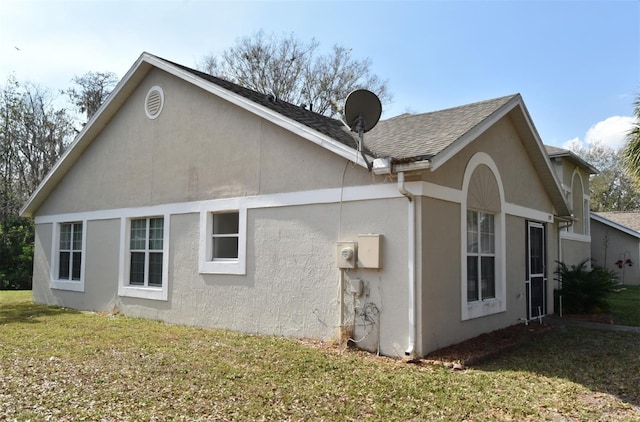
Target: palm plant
{"points": [[631, 152], [584, 290]]}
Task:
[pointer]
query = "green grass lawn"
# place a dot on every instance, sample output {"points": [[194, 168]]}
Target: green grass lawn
{"points": [[60, 364], [625, 306]]}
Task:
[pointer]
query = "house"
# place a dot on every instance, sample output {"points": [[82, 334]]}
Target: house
{"points": [[615, 243], [191, 200]]}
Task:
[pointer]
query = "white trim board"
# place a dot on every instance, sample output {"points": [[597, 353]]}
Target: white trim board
{"points": [[311, 197]]}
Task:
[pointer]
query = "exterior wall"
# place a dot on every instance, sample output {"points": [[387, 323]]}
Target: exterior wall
{"points": [[291, 286], [199, 148], [441, 271], [609, 245]]}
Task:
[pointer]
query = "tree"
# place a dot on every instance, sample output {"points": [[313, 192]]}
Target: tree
{"points": [[33, 135], [91, 91], [631, 153], [294, 71], [612, 189]]}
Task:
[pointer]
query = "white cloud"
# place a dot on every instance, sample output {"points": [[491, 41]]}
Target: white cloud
{"points": [[610, 132]]}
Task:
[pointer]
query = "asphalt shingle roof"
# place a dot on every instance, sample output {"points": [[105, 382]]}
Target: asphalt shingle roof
{"points": [[630, 219], [425, 135], [408, 136]]}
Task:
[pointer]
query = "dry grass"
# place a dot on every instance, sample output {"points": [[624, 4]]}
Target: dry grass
{"points": [[60, 364]]}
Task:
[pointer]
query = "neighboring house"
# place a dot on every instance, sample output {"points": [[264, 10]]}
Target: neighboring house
{"points": [[191, 200], [573, 173], [615, 244]]}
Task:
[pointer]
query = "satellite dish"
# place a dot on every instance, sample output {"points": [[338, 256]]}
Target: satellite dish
{"points": [[362, 110]]}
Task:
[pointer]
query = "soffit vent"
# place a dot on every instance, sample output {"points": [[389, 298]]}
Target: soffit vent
{"points": [[153, 102]]}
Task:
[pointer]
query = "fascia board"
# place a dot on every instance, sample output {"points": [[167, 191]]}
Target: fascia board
{"points": [[615, 225], [264, 112]]}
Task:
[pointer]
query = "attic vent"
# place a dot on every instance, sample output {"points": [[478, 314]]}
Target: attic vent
{"points": [[153, 102]]}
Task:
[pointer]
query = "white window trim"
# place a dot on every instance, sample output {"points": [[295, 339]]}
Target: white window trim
{"points": [[143, 292], [470, 310], [224, 266], [54, 281]]}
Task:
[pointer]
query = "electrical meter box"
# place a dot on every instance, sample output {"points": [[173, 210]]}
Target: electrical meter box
{"points": [[347, 254], [369, 254]]}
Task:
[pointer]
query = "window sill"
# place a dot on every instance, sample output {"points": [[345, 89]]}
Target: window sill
{"points": [[152, 293], [74, 286], [482, 308], [233, 267]]}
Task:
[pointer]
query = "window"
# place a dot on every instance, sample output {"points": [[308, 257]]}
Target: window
{"points": [[481, 256], [144, 259], [146, 251], [67, 250], [70, 252], [482, 248], [225, 228], [223, 241]]}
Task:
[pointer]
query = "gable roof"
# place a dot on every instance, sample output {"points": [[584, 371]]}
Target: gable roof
{"points": [[422, 136], [555, 152], [625, 221], [419, 141]]}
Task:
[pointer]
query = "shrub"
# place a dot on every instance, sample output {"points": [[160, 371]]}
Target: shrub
{"points": [[16, 254], [584, 290]]}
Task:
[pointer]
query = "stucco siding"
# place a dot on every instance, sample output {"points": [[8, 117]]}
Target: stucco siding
{"points": [[522, 185], [609, 245], [200, 147]]}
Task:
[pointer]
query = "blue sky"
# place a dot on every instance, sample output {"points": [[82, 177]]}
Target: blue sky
{"points": [[576, 63]]}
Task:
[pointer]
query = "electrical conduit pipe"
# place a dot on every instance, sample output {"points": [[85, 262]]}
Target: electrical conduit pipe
{"points": [[411, 262]]}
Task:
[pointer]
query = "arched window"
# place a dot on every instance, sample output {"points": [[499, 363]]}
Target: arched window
{"points": [[483, 263], [578, 205]]}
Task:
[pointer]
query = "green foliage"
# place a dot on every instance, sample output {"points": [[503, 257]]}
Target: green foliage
{"points": [[612, 189], [632, 149], [16, 254], [584, 290]]}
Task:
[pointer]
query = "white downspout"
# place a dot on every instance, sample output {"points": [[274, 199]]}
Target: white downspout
{"points": [[411, 263]]}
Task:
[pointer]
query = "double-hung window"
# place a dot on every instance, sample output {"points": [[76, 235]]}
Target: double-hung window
{"points": [[223, 234], [70, 252], [67, 272], [481, 256], [144, 257], [146, 252]]}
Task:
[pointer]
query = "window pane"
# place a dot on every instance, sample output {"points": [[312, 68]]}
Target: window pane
{"points": [[155, 269], [77, 236], [472, 278], [156, 230], [63, 269], [535, 239], [65, 236], [472, 231], [487, 231], [225, 247], [77, 261], [136, 273], [138, 234], [488, 274], [226, 223]]}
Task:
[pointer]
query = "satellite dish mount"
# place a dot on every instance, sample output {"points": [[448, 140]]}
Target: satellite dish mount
{"points": [[362, 110]]}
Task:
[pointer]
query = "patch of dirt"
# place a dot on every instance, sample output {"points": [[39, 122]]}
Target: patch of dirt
{"points": [[486, 346]]}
